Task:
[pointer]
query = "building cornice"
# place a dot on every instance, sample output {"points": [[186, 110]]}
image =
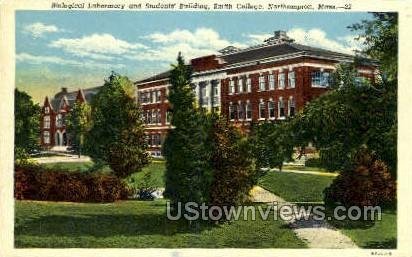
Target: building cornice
{"points": [[279, 58]]}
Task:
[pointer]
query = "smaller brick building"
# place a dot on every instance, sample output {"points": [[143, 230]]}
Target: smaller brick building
{"points": [[53, 116]]}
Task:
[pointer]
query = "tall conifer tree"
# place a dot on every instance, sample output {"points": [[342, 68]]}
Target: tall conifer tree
{"points": [[186, 148]]}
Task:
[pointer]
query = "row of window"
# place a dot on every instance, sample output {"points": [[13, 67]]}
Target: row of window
{"points": [[269, 82], [154, 117], [150, 97], [320, 79], [204, 95], [154, 139], [244, 85], [59, 121], [269, 109]]}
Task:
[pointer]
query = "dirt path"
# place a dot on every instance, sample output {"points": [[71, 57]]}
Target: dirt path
{"points": [[316, 233]]}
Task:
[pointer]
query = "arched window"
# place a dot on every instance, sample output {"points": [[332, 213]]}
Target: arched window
{"points": [[262, 112], [46, 122], [46, 137], [248, 111], [59, 120], [291, 79], [281, 108], [281, 80], [271, 109], [232, 111], [291, 105], [271, 79], [231, 87]]}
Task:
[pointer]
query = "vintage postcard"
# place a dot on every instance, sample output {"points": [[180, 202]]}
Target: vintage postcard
{"points": [[183, 128]]}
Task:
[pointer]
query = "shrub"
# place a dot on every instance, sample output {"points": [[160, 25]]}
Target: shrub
{"points": [[36, 183], [106, 188], [367, 182], [61, 186], [25, 183], [144, 188], [234, 172]]}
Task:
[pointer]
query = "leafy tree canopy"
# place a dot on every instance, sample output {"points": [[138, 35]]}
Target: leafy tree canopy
{"points": [[116, 135], [27, 124]]}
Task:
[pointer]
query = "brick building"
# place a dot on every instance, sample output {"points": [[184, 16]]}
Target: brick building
{"points": [[266, 82], [53, 116]]}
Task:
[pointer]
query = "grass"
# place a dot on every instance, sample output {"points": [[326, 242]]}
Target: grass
{"points": [[371, 234], [295, 187], [143, 224], [305, 168], [156, 169], [137, 224], [69, 166], [307, 187]]}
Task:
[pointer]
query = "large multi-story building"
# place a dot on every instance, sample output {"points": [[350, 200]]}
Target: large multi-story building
{"points": [[266, 82]]}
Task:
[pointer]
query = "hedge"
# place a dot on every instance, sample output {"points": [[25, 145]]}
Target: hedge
{"points": [[37, 183]]}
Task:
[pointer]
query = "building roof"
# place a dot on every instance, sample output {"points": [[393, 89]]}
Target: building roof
{"points": [[71, 96], [163, 75], [264, 51]]}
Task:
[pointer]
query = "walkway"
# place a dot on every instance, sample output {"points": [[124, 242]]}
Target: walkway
{"points": [[331, 174], [62, 157], [317, 234]]}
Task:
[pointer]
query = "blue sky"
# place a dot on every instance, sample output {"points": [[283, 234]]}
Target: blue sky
{"points": [[74, 49]]}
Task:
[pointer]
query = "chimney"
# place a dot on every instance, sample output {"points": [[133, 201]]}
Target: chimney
{"points": [[64, 89], [280, 34], [229, 50], [279, 37]]}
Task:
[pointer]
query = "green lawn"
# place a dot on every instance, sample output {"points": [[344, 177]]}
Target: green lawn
{"points": [[156, 169], [137, 224], [69, 166], [143, 224], [371, 234], [304, 168], [295, 187], [307, 187]]}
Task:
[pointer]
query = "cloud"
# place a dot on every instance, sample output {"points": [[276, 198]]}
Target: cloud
{"points": [[166, 46], [318, 38], [314, 37], [96, 46], [44, 59], [254, 39], [38, 29]]}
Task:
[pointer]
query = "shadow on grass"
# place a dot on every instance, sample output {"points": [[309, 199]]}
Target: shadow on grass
{"points": [[387, 244], [100, 225]]}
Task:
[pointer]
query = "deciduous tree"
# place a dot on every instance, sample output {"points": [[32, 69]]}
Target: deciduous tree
{"points": [[117, 136], [27, 125]]}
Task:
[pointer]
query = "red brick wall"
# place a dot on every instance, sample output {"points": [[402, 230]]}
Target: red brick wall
{"points": [[302, 93]]}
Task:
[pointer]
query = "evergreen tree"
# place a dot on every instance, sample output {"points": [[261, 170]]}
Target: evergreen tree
{"points": [[117, 135], [187, 147]]}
